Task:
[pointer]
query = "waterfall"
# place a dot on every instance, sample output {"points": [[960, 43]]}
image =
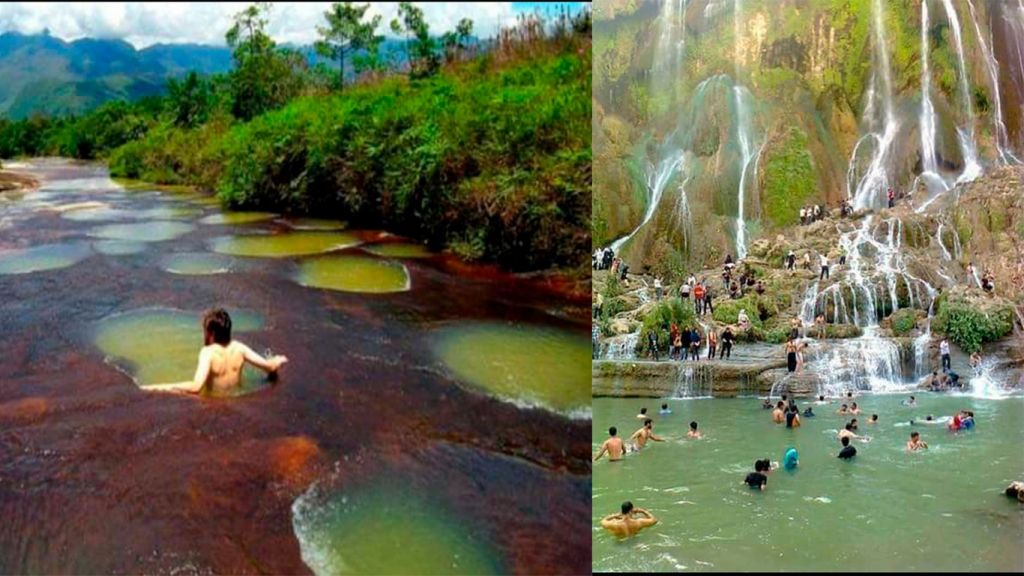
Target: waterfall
{"points": [[692, 381], [869, 191], [1002, 138], [747, 153], [938, 238], [668, 50], [983, 384], [972, 169], [622, 347], [657, 179], [807, 305], [929, 160], [923, 340]]}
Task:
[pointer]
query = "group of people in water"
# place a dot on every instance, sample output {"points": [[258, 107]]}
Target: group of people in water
{"points": [[631, 520]]}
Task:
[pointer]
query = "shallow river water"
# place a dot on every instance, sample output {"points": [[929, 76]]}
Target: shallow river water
{"points": [[381, 447], [886, 510]]}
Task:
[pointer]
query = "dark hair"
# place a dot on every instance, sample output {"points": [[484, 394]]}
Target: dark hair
{"points": [[664, 406], [783, 396], [217, 327], [849, 394], [914, 434], [648, 421], [761, 465], [627, 507], [693, 425], [911, 396], [613, 431], [874, 416], [843, 406], [821, 396], [854, 404], [845, 440], [780, 404], [854, 421], [643, 410], [849, 426]]}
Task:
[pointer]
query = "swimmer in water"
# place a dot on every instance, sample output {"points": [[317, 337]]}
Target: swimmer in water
{"points": [[848, 451], [693, 433], [854, 409], [758, 479], [808, 413], [641, 436], [821, 399], [777, 415], [221, 359], [929, 419], [767, 404], [874, 419], [790, 460], [911, 402], [664, 409], [643, 414], [613, 446], [915, 443], [853, 424], [842, 410], [629, 522]]}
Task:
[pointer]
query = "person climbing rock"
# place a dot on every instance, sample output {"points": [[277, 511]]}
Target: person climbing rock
{"points": [[824, 267], [803, 215], [807, 260], [819, 325], [842, 256], [684, 291]]}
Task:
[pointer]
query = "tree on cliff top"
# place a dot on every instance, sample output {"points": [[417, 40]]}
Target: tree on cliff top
{"points": [[346, 34]]}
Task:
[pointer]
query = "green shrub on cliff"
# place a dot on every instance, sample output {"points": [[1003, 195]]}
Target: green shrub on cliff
{"points": [[661, 318], [903, 321], [789, 178], [970, 325], [727, 311]]}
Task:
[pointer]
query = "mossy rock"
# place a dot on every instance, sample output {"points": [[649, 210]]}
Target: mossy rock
{"points": [[902, 322], [971, 319]]}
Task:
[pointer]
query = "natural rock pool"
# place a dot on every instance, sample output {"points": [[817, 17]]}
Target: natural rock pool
{"points": [[99, 476], [942, 509]]}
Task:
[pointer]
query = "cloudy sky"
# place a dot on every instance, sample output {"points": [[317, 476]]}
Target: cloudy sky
{"points": [[146, 23]]}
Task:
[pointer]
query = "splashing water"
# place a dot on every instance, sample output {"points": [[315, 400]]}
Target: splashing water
{"points": [[622, 347]]}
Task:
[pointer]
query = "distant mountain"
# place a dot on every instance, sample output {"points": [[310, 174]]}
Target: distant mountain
{"points": [[40, 74]]}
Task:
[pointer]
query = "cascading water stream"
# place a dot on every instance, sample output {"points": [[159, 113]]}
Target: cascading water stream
{"points": [[1002, 138], [869, 190], [969, 148], [747, 154], [622, 347], [929, 159], [657, 179]]}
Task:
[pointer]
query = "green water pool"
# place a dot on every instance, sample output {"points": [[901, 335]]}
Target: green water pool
{"points": [[348, 273], [283, 245], [385, 529], [938, 510], [528, 365], [155, 231], [43, 257], [399, 250], [196, 263], [237, 217], [161, 345]]}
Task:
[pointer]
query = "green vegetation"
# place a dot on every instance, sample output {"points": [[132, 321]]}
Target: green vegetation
{"points": [[669, 311], [970, 325], [903, 321], [790, 179], [488, 156]]}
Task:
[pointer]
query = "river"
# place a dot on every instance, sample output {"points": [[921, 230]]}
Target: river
{"points": [[397, 421]]}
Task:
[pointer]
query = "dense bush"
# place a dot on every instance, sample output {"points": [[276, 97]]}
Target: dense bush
{"points": [[969, 326], [661, 318], [903, 321]]}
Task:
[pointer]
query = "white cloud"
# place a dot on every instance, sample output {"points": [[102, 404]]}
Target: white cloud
{"points": [[146, 23]]}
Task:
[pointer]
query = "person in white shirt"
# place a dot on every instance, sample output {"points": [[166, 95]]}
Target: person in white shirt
{"points": [[944, 351], [824, 267]]}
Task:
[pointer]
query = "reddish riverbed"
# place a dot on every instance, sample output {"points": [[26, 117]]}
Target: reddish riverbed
{"points": [[97, 476]]}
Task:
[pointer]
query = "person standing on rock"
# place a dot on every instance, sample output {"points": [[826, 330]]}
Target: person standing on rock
{"points": [[684, 292], [698, 299], [807, 260], [682, 344], [727, 340], [892, 197], [824, 267], [694, 344], [842, 256], [708, 305], [817, 212], [598, 304], [791, 356], [712, 344], [790, 260], [803, 215], [657, 288], [673, 341], [944, 351], [652, 344]]}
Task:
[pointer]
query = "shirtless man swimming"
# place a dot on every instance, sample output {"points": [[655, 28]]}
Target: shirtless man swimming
{"points": [[640, 437], [626, 524], [777, 415], [221, 359], [915, 443], [613, 446]]}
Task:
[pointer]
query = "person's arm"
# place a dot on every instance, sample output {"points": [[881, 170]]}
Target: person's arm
{"points": [[655, 438], [604, 448], [650, 520], [269, 365], [611, 520], [192, 387]]}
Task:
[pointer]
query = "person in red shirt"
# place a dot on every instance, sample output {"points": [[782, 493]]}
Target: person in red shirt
{"points": [[698, 299]]}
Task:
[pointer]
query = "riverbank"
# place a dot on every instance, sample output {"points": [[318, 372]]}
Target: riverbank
{"points": [[16, 182]]}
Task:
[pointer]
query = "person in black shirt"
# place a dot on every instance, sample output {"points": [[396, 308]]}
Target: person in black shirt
{"points": [[848, 451], [757, 479], [727, 340]]}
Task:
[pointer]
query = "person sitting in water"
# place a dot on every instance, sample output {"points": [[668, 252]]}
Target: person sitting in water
{"points": [[664, 409], [853, 424], [641, 436], [613, 446], [915, 443], [967, 422], [821, 399], [847, 432], [808, 413], [848, 451], [693, 433], [629, 522], [854, 409], [791, 459], [221, 359], [1016, 490], [767, 404], [758, 479], [874, 419], [911, 402], [777, 414], [842, 410], [643, 414], [792, 418]]}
